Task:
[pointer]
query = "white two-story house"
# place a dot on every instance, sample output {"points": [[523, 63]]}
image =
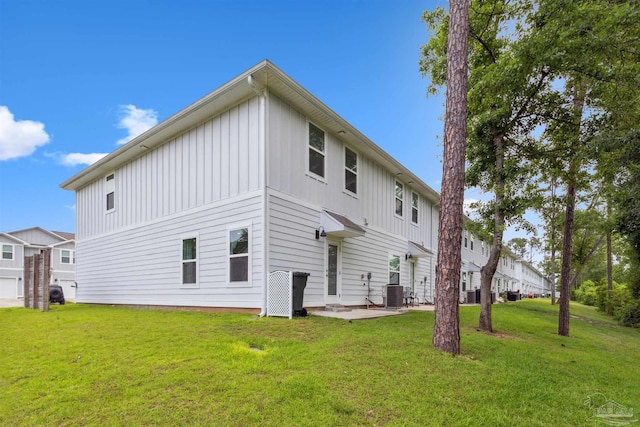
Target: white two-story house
{"points": [[257, 176], [18, 244]]}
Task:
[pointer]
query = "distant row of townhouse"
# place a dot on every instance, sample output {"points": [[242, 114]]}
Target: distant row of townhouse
{"points": [[255, 177], [24, 243]]}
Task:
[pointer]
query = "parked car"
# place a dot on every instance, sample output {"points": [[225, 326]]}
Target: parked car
{"points": [[56, 294]]}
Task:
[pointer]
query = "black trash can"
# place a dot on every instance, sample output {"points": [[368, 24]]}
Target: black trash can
{"points": [[299, 283]]}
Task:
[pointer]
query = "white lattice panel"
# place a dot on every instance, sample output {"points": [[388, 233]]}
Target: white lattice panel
{"points": [[279, 294]]}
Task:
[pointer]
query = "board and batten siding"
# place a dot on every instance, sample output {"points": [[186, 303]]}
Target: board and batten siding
{"points": [[216, 160], [375, 201], [143, 265], [36, 236], [293, 247]]}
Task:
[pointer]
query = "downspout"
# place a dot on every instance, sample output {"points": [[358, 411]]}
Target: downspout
{"points": [[262, 123]]}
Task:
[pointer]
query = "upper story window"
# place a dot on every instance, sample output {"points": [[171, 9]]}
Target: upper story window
{"points": [[394, 270], [350, 171], [414, 207], [471, 243], [316, 150], [7, 252], [67, 256], [190, 261], [110, 191], [239, 255], [399, 198], [466, 239]]}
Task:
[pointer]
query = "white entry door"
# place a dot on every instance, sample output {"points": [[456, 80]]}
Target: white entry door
{"points": [[333, 266]]}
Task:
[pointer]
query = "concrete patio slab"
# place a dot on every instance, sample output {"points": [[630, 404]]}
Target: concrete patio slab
{"points": [[372, 313], [358, 313]]}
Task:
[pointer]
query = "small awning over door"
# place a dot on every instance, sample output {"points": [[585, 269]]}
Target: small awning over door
{"points": [[472, 267], [416, 250], [339, 226]]}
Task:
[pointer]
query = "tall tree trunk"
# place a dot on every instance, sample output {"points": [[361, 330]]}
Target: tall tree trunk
{"points": [[579, 91], [609, 274], [446, 331], [553, 241], [567, 246], [489, 269]]}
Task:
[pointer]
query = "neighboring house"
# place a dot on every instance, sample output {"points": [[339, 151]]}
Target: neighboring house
{"points": [[255, 177], [512, 273], [531, 280], [18, 244]]}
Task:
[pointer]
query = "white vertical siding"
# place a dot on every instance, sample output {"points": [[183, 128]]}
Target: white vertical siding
{"points": [[142, 264], [288, 163], [215, 160]]}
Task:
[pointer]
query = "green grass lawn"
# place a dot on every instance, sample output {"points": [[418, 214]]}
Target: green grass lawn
{"points": [[81, 365]]}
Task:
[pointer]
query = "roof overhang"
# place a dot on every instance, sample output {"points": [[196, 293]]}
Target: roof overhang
{"points": [[416, 250], [339, 226], [14, 238], [62, 243], [473, 267]]}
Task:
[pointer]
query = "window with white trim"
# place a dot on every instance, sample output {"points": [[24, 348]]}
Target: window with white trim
{"points": [[471, 243], [316, 150], [394, 270], [7, 252], [190, 261], [350, 171], [67, 256], [239, 252], [465, 239], [415, 199], [399, 198], [110, 190], [464, 281]]}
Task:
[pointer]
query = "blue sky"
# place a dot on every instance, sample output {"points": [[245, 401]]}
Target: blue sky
{"points": [[79, 77]]}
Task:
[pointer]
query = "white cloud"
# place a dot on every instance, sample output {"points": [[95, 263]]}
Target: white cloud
{"points": [[71, 207], [73, 159], [19, 138], [136, 121]]}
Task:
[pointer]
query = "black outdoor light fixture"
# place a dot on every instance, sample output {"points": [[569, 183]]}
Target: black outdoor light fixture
{"points": [[320, 232]]}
